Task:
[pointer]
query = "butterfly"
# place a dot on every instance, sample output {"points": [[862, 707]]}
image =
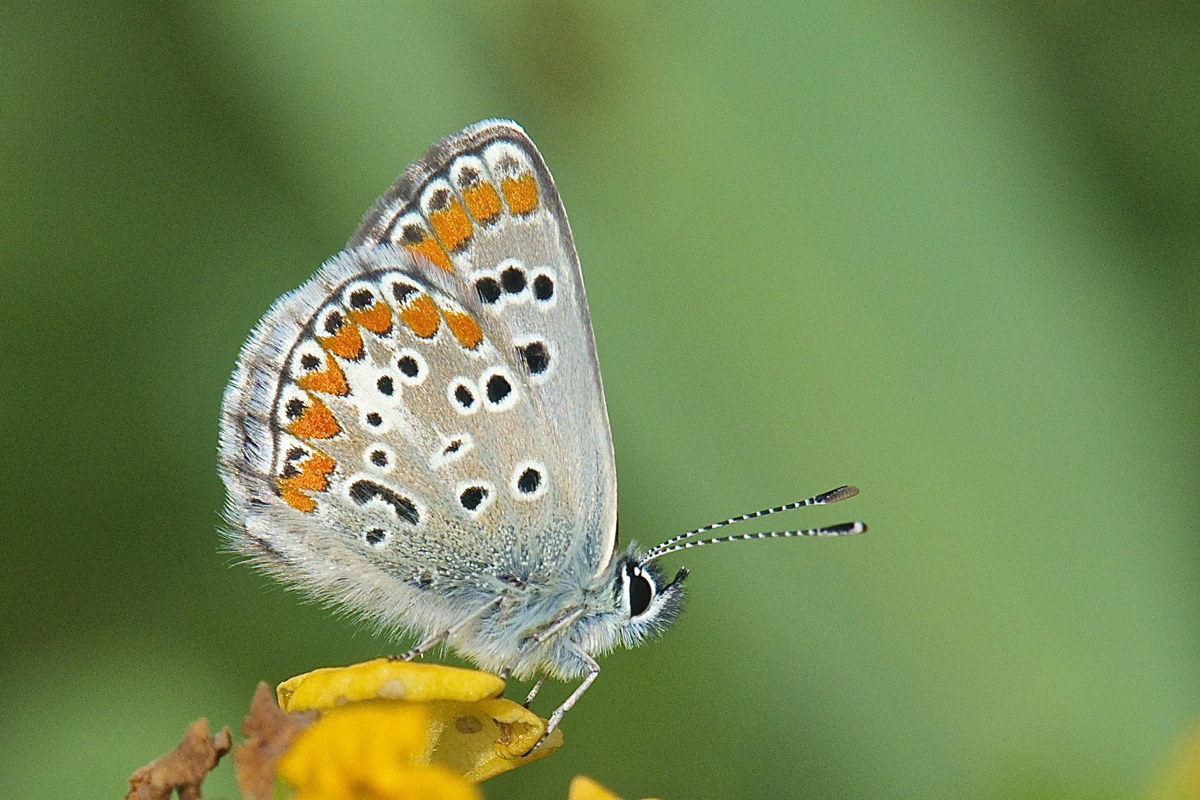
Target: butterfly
{"points": [[418, 433]]}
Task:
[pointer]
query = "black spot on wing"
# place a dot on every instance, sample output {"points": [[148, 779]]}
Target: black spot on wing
{"points": [[536, 357], [529, 481], [472, 496], [364, 491]]}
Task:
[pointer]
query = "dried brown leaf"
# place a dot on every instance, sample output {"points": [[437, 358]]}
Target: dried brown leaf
{"points": [[268, 731], [182, 769]]}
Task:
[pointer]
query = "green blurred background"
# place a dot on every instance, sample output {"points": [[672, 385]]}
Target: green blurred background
{"points": [[948, 255]]}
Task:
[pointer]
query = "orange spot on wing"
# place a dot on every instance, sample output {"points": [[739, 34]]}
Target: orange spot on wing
{"points": [[482, 201], [420, 316], [347, 342], [421, 243], [464, 327], [321, 463], [451, 224], [317, 422], [297, 499], [376, 319], [313, 475], [521, 193], [330, 380]]}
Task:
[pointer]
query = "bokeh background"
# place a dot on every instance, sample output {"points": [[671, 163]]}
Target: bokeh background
{"points": [[947, 254]]}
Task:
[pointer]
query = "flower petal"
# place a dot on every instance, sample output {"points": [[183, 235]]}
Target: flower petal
{"points": [[484, 739], [384, 678], [584, 788]]}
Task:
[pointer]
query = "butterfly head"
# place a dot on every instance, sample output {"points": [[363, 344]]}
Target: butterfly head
{"points": [[646, 601]]}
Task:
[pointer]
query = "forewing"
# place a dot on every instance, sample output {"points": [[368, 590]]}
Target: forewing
{"points": [[482, 207]]}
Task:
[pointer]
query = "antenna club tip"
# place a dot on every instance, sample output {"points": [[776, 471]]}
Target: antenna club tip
{"points": [[843, 493], [848, 528]]}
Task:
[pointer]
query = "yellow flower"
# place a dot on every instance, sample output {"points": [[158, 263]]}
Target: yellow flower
{"points": [[382, 719], [1179, 779], [380, 730], [369, 751]]}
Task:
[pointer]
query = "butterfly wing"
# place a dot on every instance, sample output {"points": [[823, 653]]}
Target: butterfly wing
{"points": [[422, 423]]}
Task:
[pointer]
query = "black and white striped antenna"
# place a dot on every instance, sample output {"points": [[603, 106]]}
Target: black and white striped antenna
{"points": [[685, 541]]}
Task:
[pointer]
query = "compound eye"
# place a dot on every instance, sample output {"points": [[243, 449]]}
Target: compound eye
{"points": [[639, 589]]}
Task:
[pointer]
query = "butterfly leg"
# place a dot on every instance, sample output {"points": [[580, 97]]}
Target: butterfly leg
{"points": [[430, 642], [537, 687], [593, 670], [536, 639]]}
